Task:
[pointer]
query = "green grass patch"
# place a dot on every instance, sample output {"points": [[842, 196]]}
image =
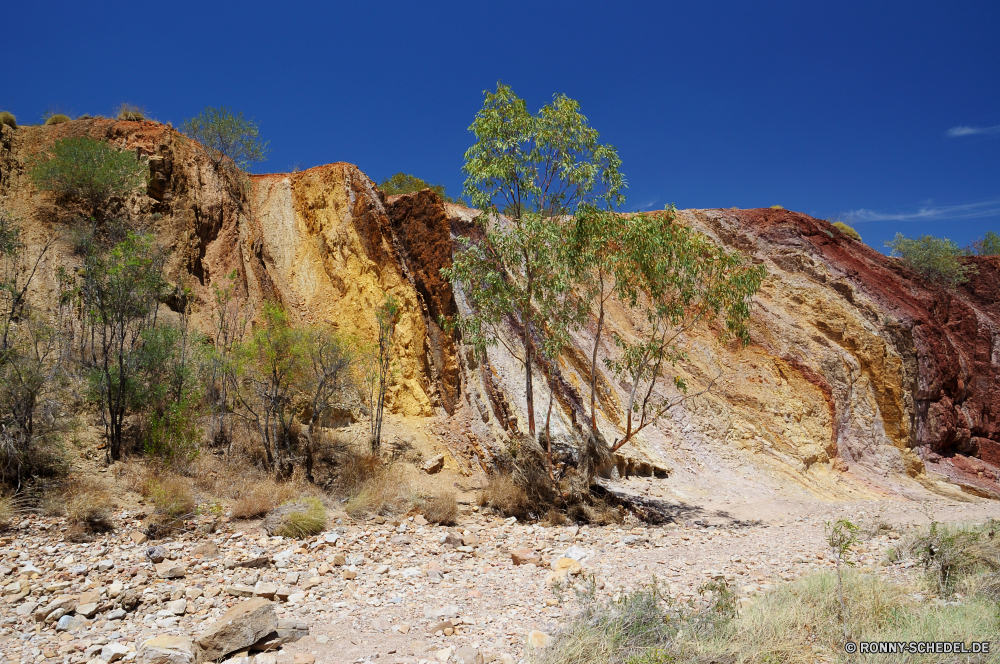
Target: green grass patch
{"points": [[305, 522]]}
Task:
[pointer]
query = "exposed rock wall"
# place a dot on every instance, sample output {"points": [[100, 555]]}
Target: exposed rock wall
{"points": [[860, 376]]}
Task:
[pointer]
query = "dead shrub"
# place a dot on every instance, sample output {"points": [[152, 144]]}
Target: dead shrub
{"points": [[8, 510], [505, 495], [367, 483], [132, 474], [172, 495], [597, 513], [555, 518], [441, 509], [261, 495], [88, 506]]}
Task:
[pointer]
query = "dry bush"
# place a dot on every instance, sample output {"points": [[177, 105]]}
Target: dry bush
{"points": [[8, 510], [132, 474], [598, 512], [261, 495], [555, 518], [504, 495], [172, 495], [58, 118], [88, 506], [369, 484], [131, 112], [441, 509]]}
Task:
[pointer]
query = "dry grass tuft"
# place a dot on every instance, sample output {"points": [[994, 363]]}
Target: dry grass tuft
{"points": [[305, 522], [373, 487], [504, 495], [172, 495], [58, 118], [131, 112], [8, 510], [442, 509], [260, 495], [88, 506]]}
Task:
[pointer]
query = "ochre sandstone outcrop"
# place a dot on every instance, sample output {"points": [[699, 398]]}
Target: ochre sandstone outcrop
{"points": [[860, 376]]}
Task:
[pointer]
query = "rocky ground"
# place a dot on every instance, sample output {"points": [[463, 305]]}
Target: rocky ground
{"points": [[398, 590]]}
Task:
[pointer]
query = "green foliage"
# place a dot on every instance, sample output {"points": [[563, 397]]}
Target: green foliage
{"points": [[268, 365], [678, 278], [933, 258], [641, 627], [225, 135], [403, 183], [988, 245], [174, 433], [847, 230], [841, 535], [305, 522], [547, 163], [537, 169], [170, 392], [120, 295], [328, 380], [378, 374], [7, 118], [90, 170], [57, 118], [131, 112], [30, 361]]}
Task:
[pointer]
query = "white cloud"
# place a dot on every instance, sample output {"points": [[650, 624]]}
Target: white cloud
{"points": [[932, 212], [973, 131]]}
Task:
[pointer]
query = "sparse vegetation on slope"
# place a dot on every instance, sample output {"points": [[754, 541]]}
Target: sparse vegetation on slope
{"points": [[847, 230], [7, 118], [933, 258], [404, 183]]}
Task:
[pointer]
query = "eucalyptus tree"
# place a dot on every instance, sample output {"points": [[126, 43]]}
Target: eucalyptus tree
{"points": [[678, 279], [527, 173], [120, 293]]}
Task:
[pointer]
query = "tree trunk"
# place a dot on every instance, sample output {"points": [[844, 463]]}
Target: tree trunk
{"points": [[593, 363]]}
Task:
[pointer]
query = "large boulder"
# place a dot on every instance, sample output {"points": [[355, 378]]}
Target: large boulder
{"points": [[167, 650], [242, 626]]}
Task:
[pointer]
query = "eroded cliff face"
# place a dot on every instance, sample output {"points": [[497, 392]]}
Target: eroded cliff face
{"points": [[861, 379]]}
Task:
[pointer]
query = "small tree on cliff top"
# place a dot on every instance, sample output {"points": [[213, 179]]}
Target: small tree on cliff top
{"points": [[227, 135], [535, 169]]}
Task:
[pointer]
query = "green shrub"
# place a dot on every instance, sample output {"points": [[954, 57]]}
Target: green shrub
{"points": [[988, 245], [58, 118], [305, 522], [933, 258], [403, 183], [847, 230], [131, 112], [7, 118], [90, 170]]}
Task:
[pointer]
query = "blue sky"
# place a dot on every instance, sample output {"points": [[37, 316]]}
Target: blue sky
{"points": [[887, 112]]}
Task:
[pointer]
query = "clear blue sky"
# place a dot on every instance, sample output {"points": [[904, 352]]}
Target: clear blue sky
{"points": [[839, 108]]}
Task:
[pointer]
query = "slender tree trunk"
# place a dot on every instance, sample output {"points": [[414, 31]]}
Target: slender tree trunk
{"points": [[548, 435], [593, 360], [526, 319]]}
